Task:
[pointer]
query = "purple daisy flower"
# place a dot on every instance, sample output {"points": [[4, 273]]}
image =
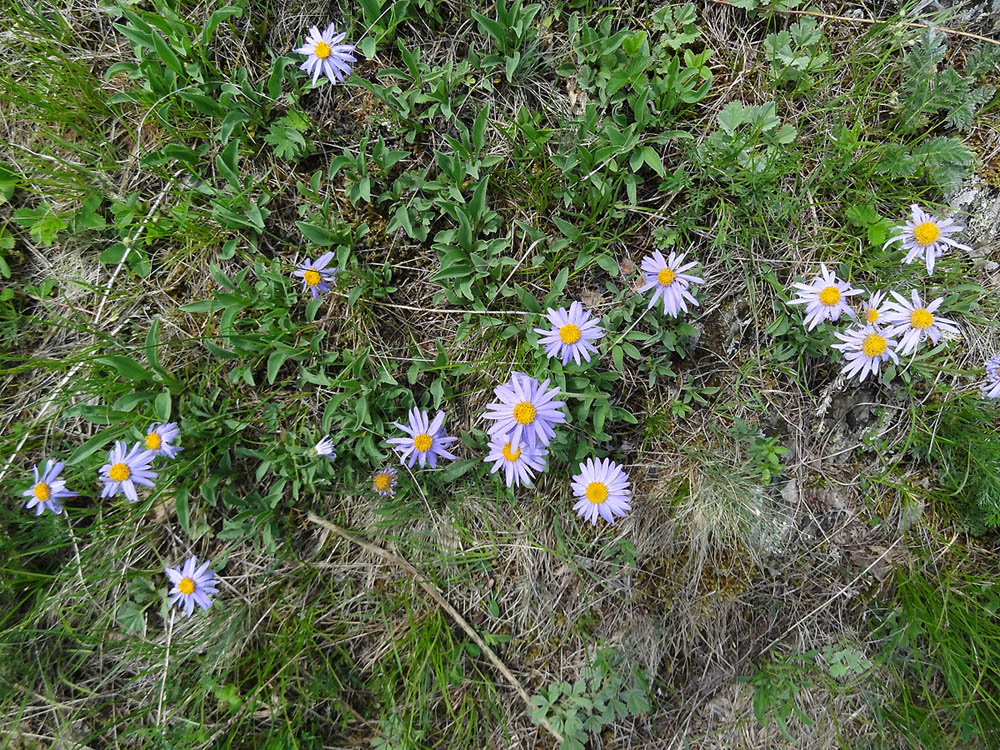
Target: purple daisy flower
{"points": [[426, 439], [825, 298], [316, 277], [327, 55], [160, 439], [325, 448], [124, 470], [866, 349], [601, 488], [384, 482], [192, 585], [873, 310], [571, 334], [47, 489], [991, 389], [519, 464], [925, 236], [526, 408], [667, 278], [916, 321]]}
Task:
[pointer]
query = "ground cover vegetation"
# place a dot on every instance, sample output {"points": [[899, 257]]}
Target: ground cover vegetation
{"points": [[497, 375]]}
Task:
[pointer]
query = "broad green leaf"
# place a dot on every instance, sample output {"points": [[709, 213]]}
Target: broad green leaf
{"points": [[126, 367]]}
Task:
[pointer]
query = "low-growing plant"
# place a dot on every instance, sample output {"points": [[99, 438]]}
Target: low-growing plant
{"points": [[603, 694]]}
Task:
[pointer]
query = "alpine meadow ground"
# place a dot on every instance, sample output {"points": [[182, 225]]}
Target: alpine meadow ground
{"points": [[421, 374]]}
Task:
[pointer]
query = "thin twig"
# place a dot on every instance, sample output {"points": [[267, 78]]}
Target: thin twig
{"points": [[166, 665], [438, 597], [875, 22]]}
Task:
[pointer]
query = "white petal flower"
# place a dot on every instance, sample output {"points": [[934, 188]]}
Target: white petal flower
{"points": [[916, 321], [925, 236]]}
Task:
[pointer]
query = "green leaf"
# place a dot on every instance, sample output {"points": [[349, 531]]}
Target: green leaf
{"points": [[126, 367], [167, 55], [459, 468], [152, 344], [94, 444], [183, 510], [275, 361], [316, 234], [162, 406], [131, 618], [226, 163], [8, 182]]}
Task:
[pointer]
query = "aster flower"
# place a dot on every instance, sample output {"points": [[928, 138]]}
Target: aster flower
{"points": [[601, 488], [426, 439], [519, 463], [571, 334], [316, 277], [47, 489], [866, 348], [192, 585], [873, 310], [126, 469], [991, 389], [526, 409], [667, 278], [384, 482], [160, 439], [824, 298], [925, 236], [326, 54], [325, 448], [916, 321]]}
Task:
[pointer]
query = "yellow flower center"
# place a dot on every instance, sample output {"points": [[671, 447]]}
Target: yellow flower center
{"points": [[569, 334], [322, 50], [597, 492], [186, 586], [382, 481], [312, 277], [42, 491], [872, 315], [665, 277], [829, 296], [153, 441], [922, 319], [524, 413], [511, 456], [874, 345], [926, 233], [423, 442], [120, 472]]}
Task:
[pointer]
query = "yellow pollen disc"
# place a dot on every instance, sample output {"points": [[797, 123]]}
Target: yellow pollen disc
{"points": [[322, 50], [423, 442], [524, 413], [42, 491], [511, 456], [926, 233], [665, 277], [597, 493], [569, 334], [382, 482], [829, 295], [872, 315], [186, 586], [120, 472], [153, 441], [874, 345], [312, 277], [922, 319]]}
